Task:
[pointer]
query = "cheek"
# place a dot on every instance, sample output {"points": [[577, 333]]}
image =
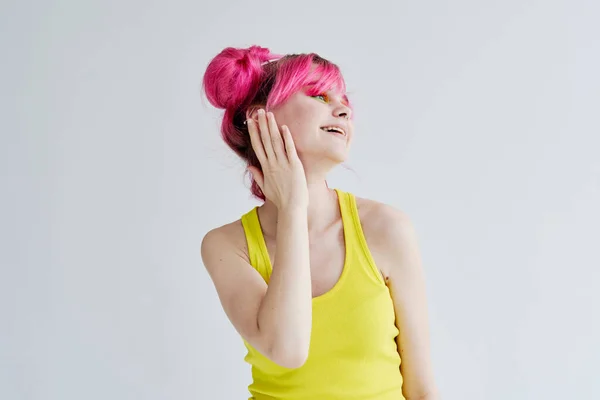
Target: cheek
{"points": [[304, 120], [300, 139], [302, 128], [296, 125], [304, 134], [301, 120]]}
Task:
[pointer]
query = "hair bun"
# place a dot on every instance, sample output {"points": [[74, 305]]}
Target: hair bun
{"points": [[233, 75], [260, 54]]}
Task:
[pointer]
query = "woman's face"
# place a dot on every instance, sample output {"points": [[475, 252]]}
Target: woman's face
{"points": [[308, 117]]}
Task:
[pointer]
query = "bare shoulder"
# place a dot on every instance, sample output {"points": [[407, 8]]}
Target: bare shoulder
{"points": [[383, 220], [239, 286], [228, 239], [391, 237], [388, 231]]}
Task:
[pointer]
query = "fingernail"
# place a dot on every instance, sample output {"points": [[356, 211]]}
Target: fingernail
{"points": [[261, 111]]}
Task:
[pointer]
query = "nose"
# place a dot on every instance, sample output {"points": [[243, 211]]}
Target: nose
{"points": [[343, 111]]}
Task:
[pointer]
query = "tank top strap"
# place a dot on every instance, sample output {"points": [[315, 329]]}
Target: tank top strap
{"points": [[257, 248], [355, 239]]}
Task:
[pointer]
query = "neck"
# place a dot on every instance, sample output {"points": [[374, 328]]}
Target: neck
{"points": [[323, 209]]}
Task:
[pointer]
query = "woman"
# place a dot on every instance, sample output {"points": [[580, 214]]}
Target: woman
{"points": [[326, 289]]}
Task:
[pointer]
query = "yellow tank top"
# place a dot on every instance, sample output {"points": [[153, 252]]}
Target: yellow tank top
{"points": [[353, 353]]}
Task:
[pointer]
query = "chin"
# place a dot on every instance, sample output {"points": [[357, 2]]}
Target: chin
{"points": [[337, 157], [324, 161], [331, 155]]}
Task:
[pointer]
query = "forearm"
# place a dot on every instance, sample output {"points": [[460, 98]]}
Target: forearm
{"points": [[285, 314]]}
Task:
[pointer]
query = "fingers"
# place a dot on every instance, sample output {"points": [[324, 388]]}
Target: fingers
{"points": [[290, 147], [265, 136], [257, 142], [276, 139]]}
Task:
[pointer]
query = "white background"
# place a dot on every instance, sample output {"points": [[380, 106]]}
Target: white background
{"points": [[479, 119]]}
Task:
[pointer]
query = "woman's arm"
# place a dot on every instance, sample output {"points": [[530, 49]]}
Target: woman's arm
{"points": [[275, 319], [396, 247]]}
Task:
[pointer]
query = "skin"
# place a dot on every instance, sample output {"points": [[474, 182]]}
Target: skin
{"points": [[311, 264]]}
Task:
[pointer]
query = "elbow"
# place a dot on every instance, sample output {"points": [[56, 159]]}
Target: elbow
{"points": [[293, 361], [286, 348], [289, 356]]}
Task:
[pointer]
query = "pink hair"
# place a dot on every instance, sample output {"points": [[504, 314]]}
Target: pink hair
{"points": [[238, 80]]}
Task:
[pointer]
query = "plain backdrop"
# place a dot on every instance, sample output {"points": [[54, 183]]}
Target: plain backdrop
{"points": [[479, 119]]}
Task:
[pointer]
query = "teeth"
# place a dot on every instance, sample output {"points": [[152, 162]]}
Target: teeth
{"points": [[333, 128]]}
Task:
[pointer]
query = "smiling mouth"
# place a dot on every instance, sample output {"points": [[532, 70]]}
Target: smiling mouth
{"points": [[334, 129]]}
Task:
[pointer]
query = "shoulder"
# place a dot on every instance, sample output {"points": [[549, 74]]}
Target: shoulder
{"points": [[389, 232], [383, 220], [228, 239]]}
